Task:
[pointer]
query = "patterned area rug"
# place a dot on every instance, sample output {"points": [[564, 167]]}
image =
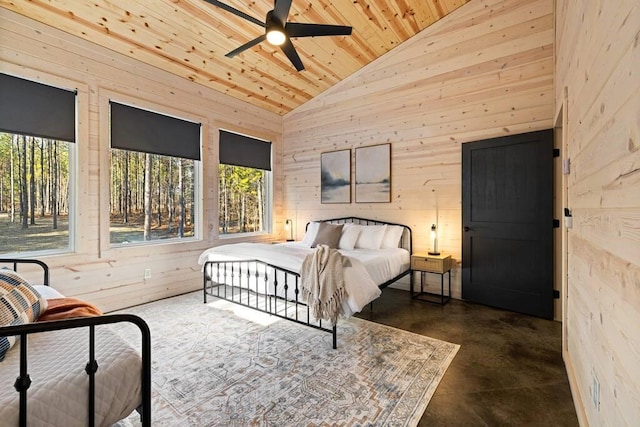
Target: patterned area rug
{"points": [[219, 364]]}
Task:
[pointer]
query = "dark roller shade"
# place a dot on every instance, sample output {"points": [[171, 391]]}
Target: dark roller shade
{"points": [[36, 109], [240, 150], [140, 130]]}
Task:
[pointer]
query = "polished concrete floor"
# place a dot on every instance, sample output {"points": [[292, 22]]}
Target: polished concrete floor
{"points": [[508, 371]]}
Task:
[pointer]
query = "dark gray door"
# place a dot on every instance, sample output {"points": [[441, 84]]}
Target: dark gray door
{"points": [[507, 219]]}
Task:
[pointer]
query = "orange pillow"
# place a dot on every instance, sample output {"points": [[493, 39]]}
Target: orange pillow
{"points": [[67, 308]]}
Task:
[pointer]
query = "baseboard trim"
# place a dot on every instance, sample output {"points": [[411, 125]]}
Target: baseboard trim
{"points": [[401, 286], [575, 391]]}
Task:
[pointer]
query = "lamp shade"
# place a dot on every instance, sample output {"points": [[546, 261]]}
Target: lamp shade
{"points": [[434, 240]]}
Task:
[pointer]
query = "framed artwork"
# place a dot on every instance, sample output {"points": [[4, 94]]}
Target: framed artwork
{"points": [[373, 174], [335, 177]]}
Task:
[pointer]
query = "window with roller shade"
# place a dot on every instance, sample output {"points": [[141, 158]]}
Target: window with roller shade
{"points": [[245, 184], [154, 176], [37, 164]]}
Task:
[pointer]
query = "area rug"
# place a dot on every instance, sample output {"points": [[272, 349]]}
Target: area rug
{"points": [[219, 364]]}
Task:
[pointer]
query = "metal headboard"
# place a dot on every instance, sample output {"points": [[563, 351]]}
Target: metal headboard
{"points": [[405, 242]]}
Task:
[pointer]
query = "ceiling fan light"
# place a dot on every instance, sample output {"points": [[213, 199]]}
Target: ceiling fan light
{"points": [[276, 37]]}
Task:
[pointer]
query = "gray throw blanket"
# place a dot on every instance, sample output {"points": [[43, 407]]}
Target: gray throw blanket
{"points": [[323, 282]]}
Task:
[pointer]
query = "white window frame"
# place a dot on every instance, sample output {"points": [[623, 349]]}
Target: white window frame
{"points": [[162, 245], [269, 197], [78, 155]]}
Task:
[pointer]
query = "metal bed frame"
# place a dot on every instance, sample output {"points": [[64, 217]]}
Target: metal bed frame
{"points": [[23, 382], [242, 274]]}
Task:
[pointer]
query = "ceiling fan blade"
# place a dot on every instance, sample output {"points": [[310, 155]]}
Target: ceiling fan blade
{"points": [[290, 51], [295, 29], [236, 12], [281, 10], [246, 46]]}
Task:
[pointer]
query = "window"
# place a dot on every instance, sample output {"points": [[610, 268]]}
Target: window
{"points": [[37, 152], [242, 199], [245, 184], [153, 180]]}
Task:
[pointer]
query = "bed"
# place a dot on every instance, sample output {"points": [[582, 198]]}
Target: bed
{"points": [[266, 277], [73, 371]]}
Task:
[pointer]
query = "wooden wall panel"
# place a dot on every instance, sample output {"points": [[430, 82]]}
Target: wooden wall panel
{"points": [[113, 278], [598, 65], [483, 71]]}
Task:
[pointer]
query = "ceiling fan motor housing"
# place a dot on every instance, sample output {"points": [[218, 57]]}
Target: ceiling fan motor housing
{"points": [[274, 29]]}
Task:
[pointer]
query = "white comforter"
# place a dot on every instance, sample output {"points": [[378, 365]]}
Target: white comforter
{"points": [[360, 287], [58, 393]]}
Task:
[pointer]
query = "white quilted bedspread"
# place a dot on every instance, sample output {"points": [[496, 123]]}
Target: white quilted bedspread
{"points": [[59, 389]]}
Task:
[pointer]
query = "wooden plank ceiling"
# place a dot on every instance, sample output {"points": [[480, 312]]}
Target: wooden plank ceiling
{"points": [[191, 37]]}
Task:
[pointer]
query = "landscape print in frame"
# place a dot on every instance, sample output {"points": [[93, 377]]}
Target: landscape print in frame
{"points": [[335, 177], [373, 174]]}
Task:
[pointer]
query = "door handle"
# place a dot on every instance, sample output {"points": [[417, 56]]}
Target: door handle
{"points": [[466, 228]]}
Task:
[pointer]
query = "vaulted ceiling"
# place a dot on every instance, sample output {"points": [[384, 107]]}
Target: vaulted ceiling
{"points": [[191, 37]]}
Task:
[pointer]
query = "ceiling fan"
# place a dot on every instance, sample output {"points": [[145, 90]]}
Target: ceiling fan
{"points": [[278, 31]]}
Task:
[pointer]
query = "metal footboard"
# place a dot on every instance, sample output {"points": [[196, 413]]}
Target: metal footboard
{"points": [[246, 282], [23, 381], [263, 287]]}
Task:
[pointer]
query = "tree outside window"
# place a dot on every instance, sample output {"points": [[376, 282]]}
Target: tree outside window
{"points": [[152, 197], [242, 199], [34, 193]]}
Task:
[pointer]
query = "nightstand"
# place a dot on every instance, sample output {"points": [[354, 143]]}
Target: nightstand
{"points": [[435, 264]]}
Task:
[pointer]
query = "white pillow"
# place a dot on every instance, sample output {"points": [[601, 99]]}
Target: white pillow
{"points": [[370, 237], [310, 235], [47, 291], [392, 236], [349, 237]]}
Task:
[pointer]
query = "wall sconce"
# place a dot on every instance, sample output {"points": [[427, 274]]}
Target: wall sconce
{"points": [[434, 239], [288, 226]]}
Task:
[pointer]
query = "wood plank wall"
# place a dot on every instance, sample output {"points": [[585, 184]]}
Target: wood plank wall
{"points": [[485, 70], [113, 278], [598, 66]]}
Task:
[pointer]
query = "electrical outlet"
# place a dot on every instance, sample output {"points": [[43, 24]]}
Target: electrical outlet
{"points": [[595, 392], [147, 273]]}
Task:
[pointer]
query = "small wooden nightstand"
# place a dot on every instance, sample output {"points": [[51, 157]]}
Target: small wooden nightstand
{"points": [[436, 264]]}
